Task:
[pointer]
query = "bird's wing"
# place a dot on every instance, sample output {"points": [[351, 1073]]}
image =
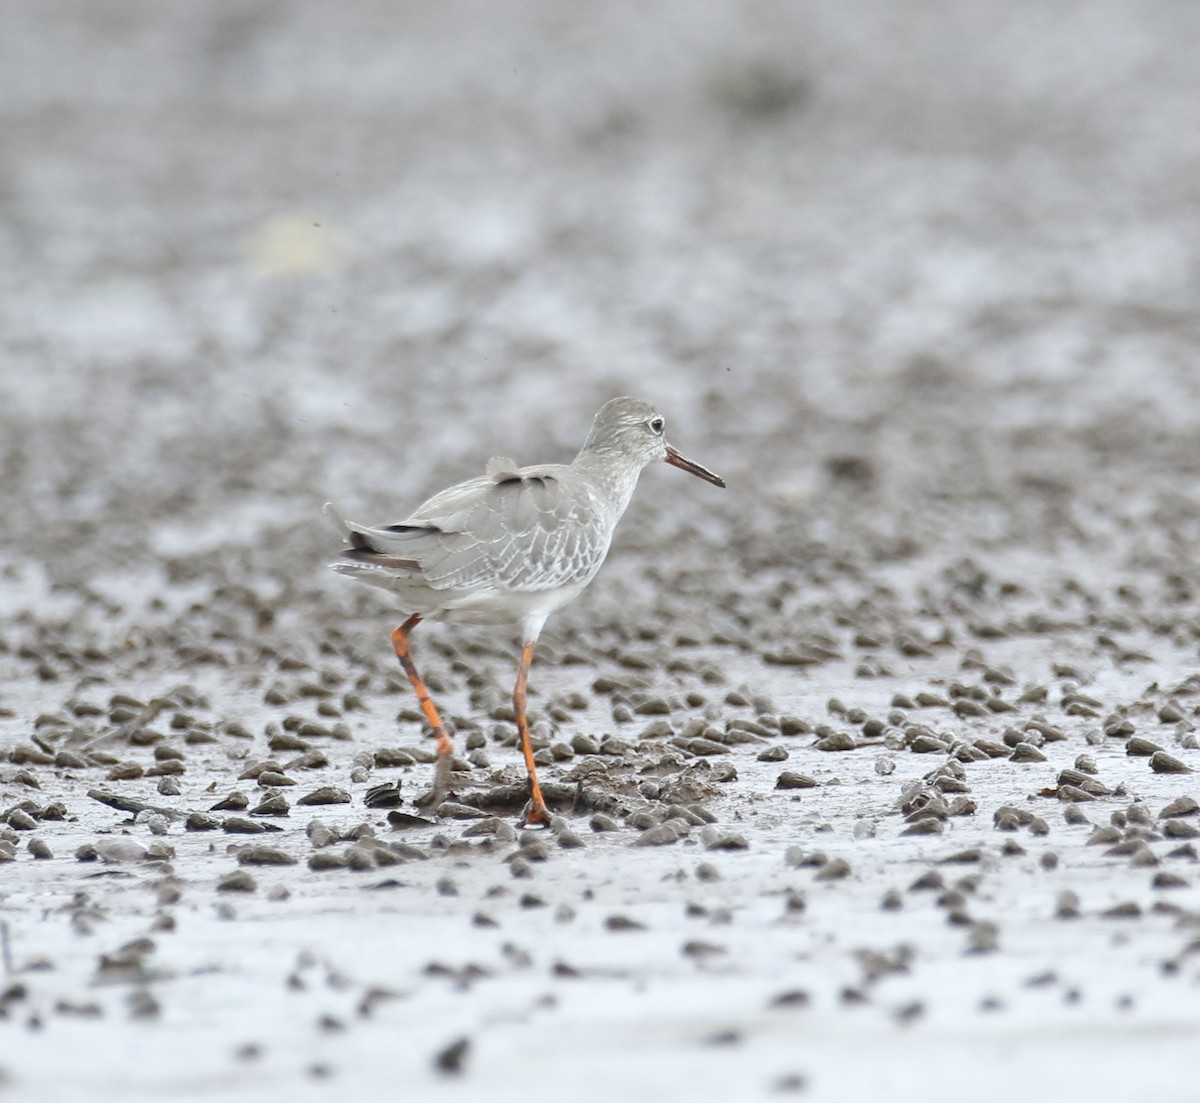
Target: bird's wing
{"points": [[530, 528]]}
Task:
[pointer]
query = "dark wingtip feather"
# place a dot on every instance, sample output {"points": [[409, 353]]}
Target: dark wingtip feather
{"points": [[365, 554]]}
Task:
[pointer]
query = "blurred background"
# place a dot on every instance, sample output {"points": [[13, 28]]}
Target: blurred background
{"points": [[917, 279]]}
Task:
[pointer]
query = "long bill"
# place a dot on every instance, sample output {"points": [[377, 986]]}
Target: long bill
{"points": [[677, 459]]}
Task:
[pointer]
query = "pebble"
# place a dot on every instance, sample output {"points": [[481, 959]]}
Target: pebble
{"points": [[258, 855], [963, 857], [327, 794], [388, 757], [236, 801], [661, 835], [1169, 881], [358, 857], [983, 938], [789, 779], [1163, 763], [836, 741], [124, 771], [1009, 818], [1180, 806], [20, 820], [1026, 752], [119, 850], [315, 760], [718, 840], [1086, 782], [643, 818], [1171, 713], [273, 805], [534, 846], [451, 1061], [931, 880], [622, 923], [142, 1005], [1067, 905], [237, 881], [26, 754], [833, 870]]}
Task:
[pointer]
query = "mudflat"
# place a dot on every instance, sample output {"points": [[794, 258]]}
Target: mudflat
{"points": [[873, 775]]}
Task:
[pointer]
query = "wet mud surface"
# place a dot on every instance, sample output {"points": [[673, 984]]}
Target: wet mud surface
{"points": [[874, 775]]}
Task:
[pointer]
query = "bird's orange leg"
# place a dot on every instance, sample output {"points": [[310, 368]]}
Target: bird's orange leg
{"points": [[538, 814], [445, 749]]}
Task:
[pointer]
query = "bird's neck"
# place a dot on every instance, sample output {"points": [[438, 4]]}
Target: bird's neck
{"points": [[613, 473]]}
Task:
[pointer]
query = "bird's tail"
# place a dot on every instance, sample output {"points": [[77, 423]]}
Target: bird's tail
{"points": [[367, 546]]}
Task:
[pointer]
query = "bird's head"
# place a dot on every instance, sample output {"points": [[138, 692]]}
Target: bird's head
{"points": [[634, 429]]}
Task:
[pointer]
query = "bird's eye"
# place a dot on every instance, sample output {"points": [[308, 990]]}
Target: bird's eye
{"points": [[657, 425]]}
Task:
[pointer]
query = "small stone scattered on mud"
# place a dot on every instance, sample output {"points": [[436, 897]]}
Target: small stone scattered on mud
{"points": [[622, 923], [327, 794], [237, 881], [451, 1061], [258, 855], [1163, 763]]}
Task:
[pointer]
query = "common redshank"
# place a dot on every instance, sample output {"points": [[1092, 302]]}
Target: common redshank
{"points": [[510, 548]]}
